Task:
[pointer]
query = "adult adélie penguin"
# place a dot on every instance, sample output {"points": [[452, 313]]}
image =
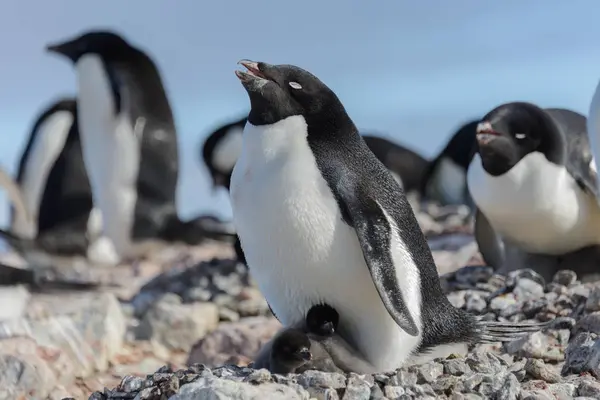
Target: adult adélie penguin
{"points": [[129, 142], [321, 220], [54, 185], [534, 183]]}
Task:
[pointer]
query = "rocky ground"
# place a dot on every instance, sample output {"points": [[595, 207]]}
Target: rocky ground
{"points": [[186, 324]]}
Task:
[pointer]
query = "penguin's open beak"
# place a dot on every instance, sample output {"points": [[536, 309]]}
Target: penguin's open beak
{"points": [[485, 133], [255, 77], [305, 354]]}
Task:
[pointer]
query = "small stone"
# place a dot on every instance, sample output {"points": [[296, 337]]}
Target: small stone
{"points": [[475, 302], [321, 393], [527, 289], [429, 372], [536, 345], [218, 388], [377, 394], [259, 376], [589, 389], [405, 378], [593, 302], [456, 367], [510, 388], [539, 370], [178, 326], [393, 392], [582, 355], [457, 299], [535, 395], [565, 277], [228, 315], [357, 388], [563, 391], [242, 339], [589, 323], [322, 379], [503, 301], [131, 384]]}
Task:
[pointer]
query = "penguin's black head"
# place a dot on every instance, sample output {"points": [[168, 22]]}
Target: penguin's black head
{"points": [[104, 43], [322, 319], [291, 347], [280, 91], [510, 132]]}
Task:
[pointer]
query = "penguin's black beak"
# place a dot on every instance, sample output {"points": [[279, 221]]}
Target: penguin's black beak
{"points": [[305, 354], [69, 49]]}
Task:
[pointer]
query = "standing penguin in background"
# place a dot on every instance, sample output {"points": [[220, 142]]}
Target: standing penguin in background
{"points": [[56, 192], [445, 179], [533, 181], [313, 205], [406, 166], [129, 143]]}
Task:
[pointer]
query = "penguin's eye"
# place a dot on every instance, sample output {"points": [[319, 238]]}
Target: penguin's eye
{"points": [[295, 85], [520, 136]]}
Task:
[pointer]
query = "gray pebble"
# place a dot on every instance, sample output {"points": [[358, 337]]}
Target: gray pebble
{"points": [[527, 289], [131, 384], [589, 388], [475, 302], [429, 372], [456, 367], [322, 379], [393, 392], [510, 388], [593, 302], [357, 388], [539, 370], [565, 277]]}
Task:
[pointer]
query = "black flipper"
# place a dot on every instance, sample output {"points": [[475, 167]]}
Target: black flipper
{"points": [[491, 246], [374, 233]]}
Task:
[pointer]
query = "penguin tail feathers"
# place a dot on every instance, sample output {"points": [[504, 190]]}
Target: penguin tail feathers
{"points": [[494, 331]]}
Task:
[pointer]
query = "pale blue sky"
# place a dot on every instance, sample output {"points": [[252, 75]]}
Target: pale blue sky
{"points": [[410, 70]]}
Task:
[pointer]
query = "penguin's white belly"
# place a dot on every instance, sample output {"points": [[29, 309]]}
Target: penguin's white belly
{"points": [[47, 146], [301, 253], [536, 205], [111, 153]]}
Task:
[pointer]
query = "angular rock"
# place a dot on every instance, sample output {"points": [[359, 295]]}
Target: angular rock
{"points": [[593, 302], [178, 326], [23, 371], [539, 370], [357, 388], [218, 388], [234, 339], [87, 328], [583, 355]]}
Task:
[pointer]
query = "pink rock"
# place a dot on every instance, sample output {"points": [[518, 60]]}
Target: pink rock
{"points": [[234, 341]]}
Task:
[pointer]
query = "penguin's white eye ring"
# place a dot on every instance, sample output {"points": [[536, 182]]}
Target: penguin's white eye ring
{"points": [[520, 135], [295, 85]]}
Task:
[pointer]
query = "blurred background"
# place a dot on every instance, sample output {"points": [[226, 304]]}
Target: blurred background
{"points": [[411, 72]]}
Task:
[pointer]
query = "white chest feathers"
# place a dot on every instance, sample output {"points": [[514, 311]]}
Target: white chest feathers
{"points": [[227, 150], [537, 205], [48, 144], [299, 249], [111, 150]]}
